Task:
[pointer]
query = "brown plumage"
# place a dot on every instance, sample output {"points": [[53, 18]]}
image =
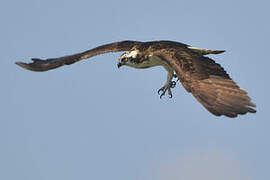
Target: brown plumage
{"points": [[206, 80], [52, 63]]}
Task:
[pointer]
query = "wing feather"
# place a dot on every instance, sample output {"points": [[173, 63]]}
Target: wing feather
{"points": [[223, 96], [208, 82], [48, 64]]}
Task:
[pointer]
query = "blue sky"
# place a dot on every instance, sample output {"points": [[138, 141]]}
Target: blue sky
{"points": [[94, 121]]}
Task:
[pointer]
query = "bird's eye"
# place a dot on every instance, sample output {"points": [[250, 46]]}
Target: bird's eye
{"points": [[126, 59]]}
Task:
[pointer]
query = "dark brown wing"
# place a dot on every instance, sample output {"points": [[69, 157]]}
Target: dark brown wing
{"points": [[208, 82], [45, 65]]}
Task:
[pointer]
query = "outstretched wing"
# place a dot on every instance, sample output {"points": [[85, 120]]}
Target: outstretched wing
{"points": [[47, 64], [208, 82]]}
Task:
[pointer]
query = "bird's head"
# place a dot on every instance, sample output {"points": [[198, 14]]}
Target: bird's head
{"points": [[130, 58]]}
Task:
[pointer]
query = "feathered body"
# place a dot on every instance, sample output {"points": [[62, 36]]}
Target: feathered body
{"points": [[206, 80]]}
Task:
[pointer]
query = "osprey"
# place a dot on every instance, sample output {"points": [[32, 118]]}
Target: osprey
{"points": [[206, 80]]}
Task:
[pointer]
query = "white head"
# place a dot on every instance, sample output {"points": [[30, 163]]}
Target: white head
{"points": [[129, 58], [131, 54]]}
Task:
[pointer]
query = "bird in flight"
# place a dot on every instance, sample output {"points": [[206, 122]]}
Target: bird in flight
{"points": [[206, 80]]}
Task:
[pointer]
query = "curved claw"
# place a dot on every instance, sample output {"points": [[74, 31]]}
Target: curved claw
{"points": [[160, 91], [167, 88], [163, 93]]}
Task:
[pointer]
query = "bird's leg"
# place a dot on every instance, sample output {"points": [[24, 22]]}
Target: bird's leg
{"points": [[175, 76], [169, 84]]}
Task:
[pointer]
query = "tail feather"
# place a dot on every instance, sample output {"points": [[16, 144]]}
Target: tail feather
{"points": [[205, 51]]}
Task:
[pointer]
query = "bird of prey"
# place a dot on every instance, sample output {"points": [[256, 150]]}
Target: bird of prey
{"points": [[206, 80]]}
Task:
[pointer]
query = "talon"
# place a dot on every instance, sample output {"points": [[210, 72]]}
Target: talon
{"points": [[163, 93], [167, 88], [160, 90]]}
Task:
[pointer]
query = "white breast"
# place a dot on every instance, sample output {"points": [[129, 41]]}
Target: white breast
{"points": [[152, 61]]}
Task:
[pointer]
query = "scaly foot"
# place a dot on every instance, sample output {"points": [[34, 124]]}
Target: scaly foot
{"points": [[165, 88]]}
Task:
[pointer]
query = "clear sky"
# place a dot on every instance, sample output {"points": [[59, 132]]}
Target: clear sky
{"points": [[94, 121]]}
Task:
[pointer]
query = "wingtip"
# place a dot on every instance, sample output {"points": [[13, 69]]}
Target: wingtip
{"points": [[21, 64], [28, 66]]}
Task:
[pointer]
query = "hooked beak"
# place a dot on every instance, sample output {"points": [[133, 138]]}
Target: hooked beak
{"points": [[120, 64]]}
